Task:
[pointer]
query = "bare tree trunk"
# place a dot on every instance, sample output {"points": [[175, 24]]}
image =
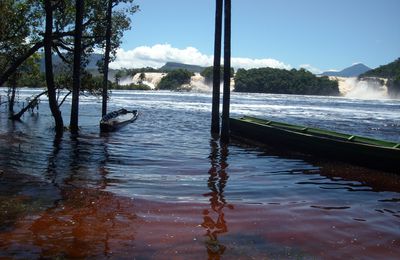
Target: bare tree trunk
{"points": [[48, 42], [76, 77], [107, 58], [11, 92], [227, 74], [216, 68]]}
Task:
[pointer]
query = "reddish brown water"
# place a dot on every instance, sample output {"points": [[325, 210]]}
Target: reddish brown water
{"points": [[158, 191]]}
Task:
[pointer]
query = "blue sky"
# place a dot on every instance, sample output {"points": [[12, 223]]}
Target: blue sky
{"points": [[316, 34]]}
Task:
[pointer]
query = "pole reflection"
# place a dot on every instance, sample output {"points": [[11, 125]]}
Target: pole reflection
{"points": [[214, 218]]}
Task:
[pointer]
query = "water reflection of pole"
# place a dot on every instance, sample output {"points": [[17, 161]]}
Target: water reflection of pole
{"points": [[214, 218]]}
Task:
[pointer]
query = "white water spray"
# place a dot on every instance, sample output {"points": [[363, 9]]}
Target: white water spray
{"points": [[362, 89]]}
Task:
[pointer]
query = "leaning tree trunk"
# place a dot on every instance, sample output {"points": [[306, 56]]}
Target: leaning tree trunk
{"points": [[48, 42], [76, 77], [107, 58], [11, 93], [227, 74], [31, 105], [216, 68]]}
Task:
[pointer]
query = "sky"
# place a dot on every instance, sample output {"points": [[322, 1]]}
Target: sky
{"points": [[318, 35]]}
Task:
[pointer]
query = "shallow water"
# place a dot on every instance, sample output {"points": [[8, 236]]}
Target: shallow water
{"points": [[162, 188]]}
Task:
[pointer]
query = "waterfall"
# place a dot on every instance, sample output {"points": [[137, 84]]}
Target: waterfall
{"points": [[151, 79], [198, 84], [370, 88]]}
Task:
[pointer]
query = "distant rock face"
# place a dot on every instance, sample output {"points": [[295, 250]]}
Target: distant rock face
{"points": [[174, 65], [352, 71]]}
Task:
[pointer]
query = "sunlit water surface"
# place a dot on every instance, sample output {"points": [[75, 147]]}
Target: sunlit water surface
{"points": [[162, 188]]}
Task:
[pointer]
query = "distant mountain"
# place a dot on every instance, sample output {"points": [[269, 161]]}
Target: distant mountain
{"points": [[352, 71], [174, 65], [91, 67], [58, 63]]}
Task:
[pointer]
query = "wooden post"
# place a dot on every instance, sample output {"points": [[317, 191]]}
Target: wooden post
{"points": [[227, 74], [217, 68], [107, 58]]}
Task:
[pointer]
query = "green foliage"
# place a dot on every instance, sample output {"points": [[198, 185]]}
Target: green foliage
{"points": [[208, 74], [29, 74], [280, 81], [23, 24], [391, 70], [175, 79], [131, 87], [20, 21]]}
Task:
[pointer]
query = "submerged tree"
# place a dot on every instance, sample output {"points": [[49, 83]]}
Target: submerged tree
{"points": [[76, 77], [59, 37], [18, 22], [48, 43]]}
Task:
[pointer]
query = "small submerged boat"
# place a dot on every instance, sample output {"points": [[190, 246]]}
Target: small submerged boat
{"points": [[373, 153], [116, 119]]}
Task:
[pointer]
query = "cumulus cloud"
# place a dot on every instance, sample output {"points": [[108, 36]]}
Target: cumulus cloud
{"points": [[311, 68], [157, 55], [247, 63]]}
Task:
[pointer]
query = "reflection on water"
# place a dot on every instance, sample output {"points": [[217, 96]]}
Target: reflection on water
{"points": [[159, 188], [214, 218]]}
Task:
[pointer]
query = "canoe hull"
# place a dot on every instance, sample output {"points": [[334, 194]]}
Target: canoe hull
{"points": [[111, 123], [378, 157]]}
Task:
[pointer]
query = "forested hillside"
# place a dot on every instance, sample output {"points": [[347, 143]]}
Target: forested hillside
{"points": [[390, 71], [280, 81]]}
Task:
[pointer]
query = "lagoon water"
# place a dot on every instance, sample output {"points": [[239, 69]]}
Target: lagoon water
{"points": [[162, 188]]}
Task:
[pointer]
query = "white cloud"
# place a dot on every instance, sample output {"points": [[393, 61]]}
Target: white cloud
{"points": [[311, 68], [247, 63], [156, 56]]}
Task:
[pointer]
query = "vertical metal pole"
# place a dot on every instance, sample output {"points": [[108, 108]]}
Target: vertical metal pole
{"points": [[227, 74], [217, 68]]}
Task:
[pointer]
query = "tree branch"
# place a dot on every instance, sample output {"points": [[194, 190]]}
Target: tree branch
{"points": [[61, 55], [31, 105], [65, 97], [62, 44]]}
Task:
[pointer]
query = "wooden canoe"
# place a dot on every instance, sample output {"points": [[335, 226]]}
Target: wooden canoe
{"points": [[116, 119], [359, 150]]}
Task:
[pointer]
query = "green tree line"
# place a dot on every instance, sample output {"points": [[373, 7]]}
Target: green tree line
{"points": [[281, 81], [208, 74], [175, 79]]}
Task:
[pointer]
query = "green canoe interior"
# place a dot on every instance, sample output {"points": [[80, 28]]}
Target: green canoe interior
{"points": [[321, 132]]}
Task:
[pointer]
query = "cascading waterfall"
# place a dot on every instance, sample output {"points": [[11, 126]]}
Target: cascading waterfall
{"points": [[362, 89], [348, 87], [197, 82]]}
